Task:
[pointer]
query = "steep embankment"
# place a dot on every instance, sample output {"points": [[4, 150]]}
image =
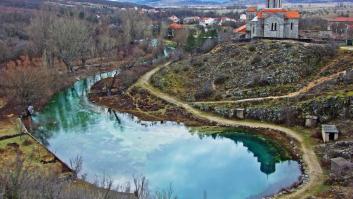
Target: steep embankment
{"points": [[235, 71]]}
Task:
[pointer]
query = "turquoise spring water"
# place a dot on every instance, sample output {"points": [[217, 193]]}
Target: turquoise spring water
{"points": [[228, 165]]}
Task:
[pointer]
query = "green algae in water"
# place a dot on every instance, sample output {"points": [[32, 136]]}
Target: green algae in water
{"points": [[223, 165]]}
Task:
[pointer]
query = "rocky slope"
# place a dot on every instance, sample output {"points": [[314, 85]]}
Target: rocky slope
{"points": [[244, 70]]}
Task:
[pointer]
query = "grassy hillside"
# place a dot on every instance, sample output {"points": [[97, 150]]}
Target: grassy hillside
{"points": [[244, 70]]}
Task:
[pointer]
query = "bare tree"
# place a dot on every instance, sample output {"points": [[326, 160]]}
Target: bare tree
{"points": [[76, 166], [22, 182], [71, 38], [40, 35], [105, 44], [135, 26], [26, 84], [166, 194], [141, 187]]}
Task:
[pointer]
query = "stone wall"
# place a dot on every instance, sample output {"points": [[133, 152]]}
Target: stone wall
{"points": [[326, 109], [291, 32], [279, 20]]}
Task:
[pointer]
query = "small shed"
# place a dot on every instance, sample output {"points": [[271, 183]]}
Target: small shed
{"points": [[329, 132], [311, 121], [340, 165], [240, 113]]}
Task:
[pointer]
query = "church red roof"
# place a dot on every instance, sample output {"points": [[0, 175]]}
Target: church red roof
{"points": [[289, 14]]}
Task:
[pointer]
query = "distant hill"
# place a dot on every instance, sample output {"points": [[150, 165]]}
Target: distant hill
{"points": [[35, 4], [218, 2], [30, 4], [121, 4]]}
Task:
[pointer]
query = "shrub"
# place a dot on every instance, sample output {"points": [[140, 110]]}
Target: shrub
{"points": [[220, 79], [251, 48], [257, 59], [27, 142], [205, 91], [26, 84]]}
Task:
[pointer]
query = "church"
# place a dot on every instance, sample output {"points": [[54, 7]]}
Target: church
{"points": [[272, 21]]}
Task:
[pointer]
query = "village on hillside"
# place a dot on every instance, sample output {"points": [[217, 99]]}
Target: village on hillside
{"points": [[250, 23]]}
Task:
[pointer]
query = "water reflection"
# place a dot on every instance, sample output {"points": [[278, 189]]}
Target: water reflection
{"points": [[225, 165]]}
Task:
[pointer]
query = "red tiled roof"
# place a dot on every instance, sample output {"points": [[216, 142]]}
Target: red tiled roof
{"points": [[251, 9], [290, 14], [241, 29], [175, 26], [342, 19]]}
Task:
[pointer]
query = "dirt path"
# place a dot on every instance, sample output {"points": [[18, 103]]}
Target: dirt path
{"points": [[313, 166], [303, 90]]}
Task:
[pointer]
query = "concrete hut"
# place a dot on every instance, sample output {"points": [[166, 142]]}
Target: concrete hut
{"points": [[311, 121], [240, 113], [329, 132]]}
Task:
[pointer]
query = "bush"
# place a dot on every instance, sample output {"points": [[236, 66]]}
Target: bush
{"points": [[220, 79], [205, 91], [196, 62], [257, 59], [26, 85], [251, 48]]}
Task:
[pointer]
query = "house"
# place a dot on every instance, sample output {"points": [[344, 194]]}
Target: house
{"points": [[339, 24], [207, 21], [272, 21], [173, 28], [240, 32], [342, 28], [329, 132], [226, 20], [174, 19], [191, 20], [242, 17]]}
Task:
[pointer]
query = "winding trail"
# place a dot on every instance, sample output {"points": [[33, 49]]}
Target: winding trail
{"points": [[303, 90], [313, 167]]}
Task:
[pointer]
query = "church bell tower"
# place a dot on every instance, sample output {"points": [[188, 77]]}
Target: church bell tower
{"points": [[274, 4]]}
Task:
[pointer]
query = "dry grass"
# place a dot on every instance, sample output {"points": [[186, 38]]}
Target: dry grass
{"points": [[27, 149], [8, 127]]}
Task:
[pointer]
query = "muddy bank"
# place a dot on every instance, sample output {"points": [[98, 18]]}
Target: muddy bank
{"points": [[141, 104]]}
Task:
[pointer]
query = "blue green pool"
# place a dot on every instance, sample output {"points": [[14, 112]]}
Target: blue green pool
{"points": [[227, 165]]}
